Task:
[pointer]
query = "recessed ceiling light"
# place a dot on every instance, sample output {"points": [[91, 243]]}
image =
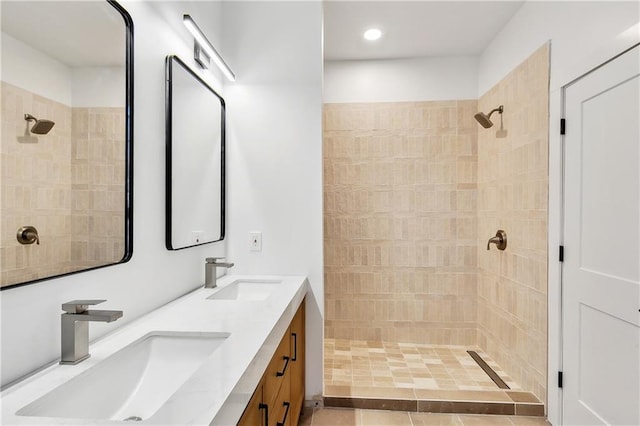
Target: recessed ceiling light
{"points": [[372, 34]]}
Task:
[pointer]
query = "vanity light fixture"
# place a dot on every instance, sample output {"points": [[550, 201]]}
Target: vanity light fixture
{"points": [[372, 34], [205, 48]]}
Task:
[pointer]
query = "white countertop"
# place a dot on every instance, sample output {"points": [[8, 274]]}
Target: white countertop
{"points": [[219, 390]]}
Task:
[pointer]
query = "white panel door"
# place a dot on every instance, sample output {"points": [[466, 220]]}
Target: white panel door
{"points": [[601, 269]]}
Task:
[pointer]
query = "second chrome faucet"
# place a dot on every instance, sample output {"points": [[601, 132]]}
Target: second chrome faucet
{"points": [[75, 328], [210, 274]]}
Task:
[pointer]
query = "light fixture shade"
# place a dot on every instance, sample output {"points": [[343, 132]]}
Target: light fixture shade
{"points": [[208, 48]]}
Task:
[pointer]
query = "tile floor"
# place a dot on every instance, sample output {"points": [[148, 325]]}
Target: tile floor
{"points": [[358, 363], [357, 417]]}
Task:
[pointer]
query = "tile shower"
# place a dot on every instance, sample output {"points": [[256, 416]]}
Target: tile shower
{"points": [[412, 192], [50, 181]]}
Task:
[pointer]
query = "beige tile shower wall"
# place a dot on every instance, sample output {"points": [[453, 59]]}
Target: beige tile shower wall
{"points": [[98, 174], [36, 187], [400, 221], [512, 195]]}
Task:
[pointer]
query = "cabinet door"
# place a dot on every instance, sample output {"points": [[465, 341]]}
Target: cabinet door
{"points": [[256, 412], [297, 363]]}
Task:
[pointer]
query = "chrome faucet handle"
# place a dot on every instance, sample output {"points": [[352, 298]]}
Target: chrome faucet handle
{"points": [[214, 259], [80, 306]]}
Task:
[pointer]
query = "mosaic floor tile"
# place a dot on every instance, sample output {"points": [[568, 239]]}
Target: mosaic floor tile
{"points": [[406, 365]]}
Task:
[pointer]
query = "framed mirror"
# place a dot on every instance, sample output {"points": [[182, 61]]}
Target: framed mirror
{"points": [[66, 145], [195, 142]]}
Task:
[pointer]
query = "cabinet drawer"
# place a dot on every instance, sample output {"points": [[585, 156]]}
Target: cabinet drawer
{"points": [[277, 371], [281, 413]]}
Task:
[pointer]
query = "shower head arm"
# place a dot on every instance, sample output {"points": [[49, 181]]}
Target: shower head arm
{"points": [[499, 110], [30, 117]]}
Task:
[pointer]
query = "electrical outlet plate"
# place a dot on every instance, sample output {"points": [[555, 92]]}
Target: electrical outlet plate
{"points": [[255, 241]]}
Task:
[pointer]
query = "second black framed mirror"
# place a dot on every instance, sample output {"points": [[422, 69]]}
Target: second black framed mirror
{"points": [[195, 159]]}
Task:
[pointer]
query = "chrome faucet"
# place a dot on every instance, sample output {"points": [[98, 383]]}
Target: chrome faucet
{"points": [[75, 328], [210, 270]]}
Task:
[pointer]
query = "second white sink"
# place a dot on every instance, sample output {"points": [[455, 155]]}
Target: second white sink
{"points": [[133, 383], [246, 290]]}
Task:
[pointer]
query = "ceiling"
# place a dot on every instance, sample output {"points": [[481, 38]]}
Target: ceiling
{"points": [[78, 34], [412, 28]]}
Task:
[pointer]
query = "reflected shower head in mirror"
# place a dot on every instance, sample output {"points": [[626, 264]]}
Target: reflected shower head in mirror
{"points": [[485, 119], [41, 127]]}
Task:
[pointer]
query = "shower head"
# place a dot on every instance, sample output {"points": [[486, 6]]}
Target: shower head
{"points": [[41, 127], [485, 119]]}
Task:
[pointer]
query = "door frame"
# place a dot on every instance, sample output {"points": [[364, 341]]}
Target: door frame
{"points": [[604, 54]]}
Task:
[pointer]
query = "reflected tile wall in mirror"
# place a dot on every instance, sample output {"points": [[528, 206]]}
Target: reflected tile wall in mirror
{"points": [[69, 184]]}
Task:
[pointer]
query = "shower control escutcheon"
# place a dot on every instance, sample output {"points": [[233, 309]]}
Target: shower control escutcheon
{"points": [[28, 235], [500, 240]]}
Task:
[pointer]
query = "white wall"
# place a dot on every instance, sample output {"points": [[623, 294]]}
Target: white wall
{"points": [[401, 80], [577, 30], [583, 35], [30, 69], [274, 149], [30, 321]]}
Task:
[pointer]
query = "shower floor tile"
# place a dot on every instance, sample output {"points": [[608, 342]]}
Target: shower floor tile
{"points": [[363, 364], [418, 378]]}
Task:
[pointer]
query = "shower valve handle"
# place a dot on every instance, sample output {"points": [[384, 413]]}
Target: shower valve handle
{"points": [[500, 240], [28, 235]]}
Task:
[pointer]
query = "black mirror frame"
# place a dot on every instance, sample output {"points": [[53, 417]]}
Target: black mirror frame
{"points": [[168, 139], [128, 190]]}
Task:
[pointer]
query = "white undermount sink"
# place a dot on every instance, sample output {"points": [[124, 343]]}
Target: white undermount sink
{"points": [[249, 290], [133, 383]]}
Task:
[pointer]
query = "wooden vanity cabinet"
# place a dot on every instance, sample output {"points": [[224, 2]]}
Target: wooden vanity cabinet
{"points": [[279, 397]]}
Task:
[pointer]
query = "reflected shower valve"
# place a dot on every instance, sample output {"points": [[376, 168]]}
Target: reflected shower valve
{"points": [[28, 235]]}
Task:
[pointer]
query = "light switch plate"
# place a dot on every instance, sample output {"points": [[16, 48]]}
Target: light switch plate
{"points": [[255, 241]]}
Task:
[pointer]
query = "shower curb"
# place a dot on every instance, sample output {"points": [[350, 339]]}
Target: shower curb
{"points": [[519, 404]]}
